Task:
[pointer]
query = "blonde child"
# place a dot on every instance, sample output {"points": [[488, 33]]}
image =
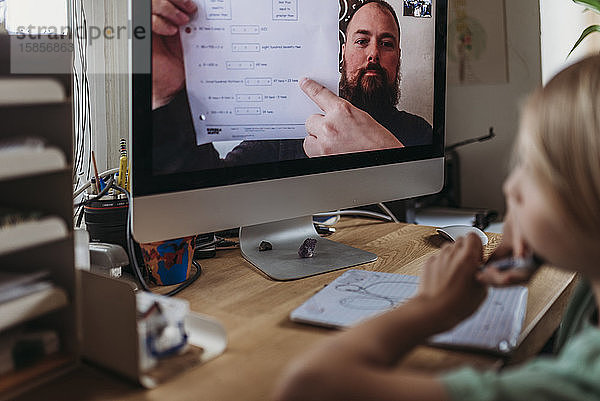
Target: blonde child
{"points": [[553, 199]]}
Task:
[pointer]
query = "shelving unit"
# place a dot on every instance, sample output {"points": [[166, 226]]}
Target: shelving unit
{"points": [[31, 306], [30, 234], [39, 181], [25, 162]]}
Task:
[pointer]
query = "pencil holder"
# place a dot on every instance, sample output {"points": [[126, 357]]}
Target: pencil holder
{"points": [[106, 220]]}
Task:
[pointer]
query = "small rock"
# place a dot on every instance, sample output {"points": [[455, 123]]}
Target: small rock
{"points": [[307, 249], [264, 246]]}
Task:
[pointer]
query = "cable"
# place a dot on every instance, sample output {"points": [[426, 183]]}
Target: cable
{"points": [[187, 282], [218, 242], [87, 184], [227, 244], [79, 216], [81, 92], [80, 205], [330, 221], [108, 186], [383, 207], [355, 212]]}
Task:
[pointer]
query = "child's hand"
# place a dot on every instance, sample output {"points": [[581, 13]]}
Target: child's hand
{"points": [[512, 245], [449, 280]]}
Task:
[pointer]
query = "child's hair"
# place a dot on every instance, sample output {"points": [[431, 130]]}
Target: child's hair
{"points": [[560, 140]]}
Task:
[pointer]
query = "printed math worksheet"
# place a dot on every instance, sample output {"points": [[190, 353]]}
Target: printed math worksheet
{"points": [[243, 60]]}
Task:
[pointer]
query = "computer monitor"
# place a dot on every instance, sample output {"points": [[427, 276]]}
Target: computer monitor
{"points": [[187, 176]]}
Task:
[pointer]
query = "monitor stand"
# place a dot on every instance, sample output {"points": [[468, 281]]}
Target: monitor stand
{"points": [[286, 236]]}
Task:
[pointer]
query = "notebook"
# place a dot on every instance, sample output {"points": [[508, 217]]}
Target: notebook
{"points": [[357, 295]]}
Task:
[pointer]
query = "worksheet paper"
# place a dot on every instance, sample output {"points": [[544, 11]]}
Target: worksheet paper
{"points": [[358, 294], [244, 59]]}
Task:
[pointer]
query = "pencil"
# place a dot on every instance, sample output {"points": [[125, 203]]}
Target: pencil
{"points": [[96, 172], [122, 181]]}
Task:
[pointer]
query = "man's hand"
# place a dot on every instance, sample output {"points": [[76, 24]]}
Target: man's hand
{"points": [[343, 128], [512, 245], [449, 280], [168, 73]]}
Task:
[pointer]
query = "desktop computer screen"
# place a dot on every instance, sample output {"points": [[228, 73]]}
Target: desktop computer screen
{"points": [[224, 136]]}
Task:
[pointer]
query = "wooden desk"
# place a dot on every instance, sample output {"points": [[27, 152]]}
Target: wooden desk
{"points": [[262, 340]]}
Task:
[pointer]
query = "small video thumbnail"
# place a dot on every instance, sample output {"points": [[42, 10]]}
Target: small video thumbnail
{"points": [[417, 8]]}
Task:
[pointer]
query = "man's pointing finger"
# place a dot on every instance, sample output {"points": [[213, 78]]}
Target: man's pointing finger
{"points": [[323, 97]]}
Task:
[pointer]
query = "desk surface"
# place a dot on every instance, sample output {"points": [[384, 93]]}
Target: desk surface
{"points": [[262, 339]]}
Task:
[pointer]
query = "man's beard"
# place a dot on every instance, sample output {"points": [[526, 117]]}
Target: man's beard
{"points": [[372, 93]]}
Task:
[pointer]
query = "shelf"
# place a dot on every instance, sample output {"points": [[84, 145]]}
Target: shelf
{"points": [[23, 162], [21, 91], [21, 379], [36, 158], [31, 306], [24, 235]]}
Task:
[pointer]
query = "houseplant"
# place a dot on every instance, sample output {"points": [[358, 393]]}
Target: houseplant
{"points": [[593, 5]]}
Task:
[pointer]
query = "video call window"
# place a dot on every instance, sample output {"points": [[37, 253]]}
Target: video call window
{"points": [[220, 100]]}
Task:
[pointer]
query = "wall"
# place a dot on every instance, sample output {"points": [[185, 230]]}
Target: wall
{"points": [[472, 109], [417, 44], [108, 79], [562, 21], [539, 37]]}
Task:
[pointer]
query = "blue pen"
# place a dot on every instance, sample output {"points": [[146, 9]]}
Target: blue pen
{"points": [[530, 262]]}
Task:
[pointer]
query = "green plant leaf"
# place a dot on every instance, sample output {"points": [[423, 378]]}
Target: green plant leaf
{"points": [[590, 29], [591, 4]]}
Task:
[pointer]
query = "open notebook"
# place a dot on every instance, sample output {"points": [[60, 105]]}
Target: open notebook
{"points": [[358, 294]]}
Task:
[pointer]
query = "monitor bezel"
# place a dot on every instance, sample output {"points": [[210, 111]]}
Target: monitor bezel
{"points": [[145, 182]]}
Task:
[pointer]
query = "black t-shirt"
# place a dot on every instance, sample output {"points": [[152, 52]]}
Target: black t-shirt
{"points": [[175, 149]]}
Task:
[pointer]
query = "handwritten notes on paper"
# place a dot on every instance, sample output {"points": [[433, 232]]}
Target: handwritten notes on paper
{"points": [[357, 295], [243, 60]]}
